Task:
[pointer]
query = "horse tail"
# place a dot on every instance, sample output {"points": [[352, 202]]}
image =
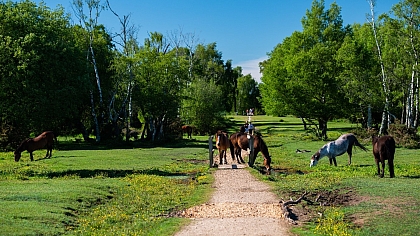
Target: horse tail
{"points": [[359, 145], [232, 148]]}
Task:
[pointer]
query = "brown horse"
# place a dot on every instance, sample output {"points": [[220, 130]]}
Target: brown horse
{"points": [[222, 144], [44, 140], [235, 149], [187, 129], [241, 141], [384, 149]]}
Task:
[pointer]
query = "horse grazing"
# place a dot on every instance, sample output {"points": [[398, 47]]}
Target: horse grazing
{"points": [[44, 140], [384, 149], [241, 141], [222, 144], [187, 129], [336, 148]]}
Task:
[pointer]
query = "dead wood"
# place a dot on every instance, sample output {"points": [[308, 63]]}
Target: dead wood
{"points": [[286, 209]]}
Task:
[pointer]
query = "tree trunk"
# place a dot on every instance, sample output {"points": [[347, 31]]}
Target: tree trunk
{"points": [[385, 86], [323, 129], [369, 118], [95, 118], [305, 126]]}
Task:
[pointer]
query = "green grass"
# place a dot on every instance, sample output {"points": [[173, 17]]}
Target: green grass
{"points": [[99, 191], [387, 206], [133, 188]]}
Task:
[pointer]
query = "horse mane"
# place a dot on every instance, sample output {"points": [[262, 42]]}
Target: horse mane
{"points": [[21, 146], [262, 145]]}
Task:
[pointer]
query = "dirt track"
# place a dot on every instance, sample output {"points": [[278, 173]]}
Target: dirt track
{"points": [[240, 205]]}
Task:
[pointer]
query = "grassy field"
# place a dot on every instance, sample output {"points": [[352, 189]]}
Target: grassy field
{"points": [[85, 190], [134, 189], [354, 200]]}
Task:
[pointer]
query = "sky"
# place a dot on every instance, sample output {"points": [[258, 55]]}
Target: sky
{"points": [[243, 30]]}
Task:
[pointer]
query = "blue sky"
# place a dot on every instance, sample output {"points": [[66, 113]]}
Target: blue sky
{"points": [[245, 31]]}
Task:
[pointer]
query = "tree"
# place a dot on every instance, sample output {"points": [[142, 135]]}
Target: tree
{"points": [[40, 70], [360, 68], [206, 67], [384, 76], [203, 107], [89, 22], [160, 78], [406, 28], [248, 93], [304, 71], [123, 64]]}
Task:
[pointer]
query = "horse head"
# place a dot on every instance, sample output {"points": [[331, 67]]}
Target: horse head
{"points": [[20, 149], [259, 145], [315, 158], [17, 155]]}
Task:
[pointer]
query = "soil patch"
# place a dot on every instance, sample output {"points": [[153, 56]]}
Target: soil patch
{"points": [[308, 208]]}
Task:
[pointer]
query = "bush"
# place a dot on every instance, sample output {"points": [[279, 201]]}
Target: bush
{"points": [[404, 137]]}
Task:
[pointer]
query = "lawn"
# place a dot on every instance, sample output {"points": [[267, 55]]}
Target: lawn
{"points": [[135, 188], [102, 191], [355, 201]]}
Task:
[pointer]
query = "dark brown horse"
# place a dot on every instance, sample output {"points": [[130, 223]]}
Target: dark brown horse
{"points": [[240, 142], [222, 144], [235, 149], [384, 149], [44, 140], [187, 129]]}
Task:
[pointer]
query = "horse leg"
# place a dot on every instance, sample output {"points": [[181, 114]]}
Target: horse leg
{"points": [[50, 150], [377, 166], [391, 168], [224, 155], [267, 162], [349, 151], [220, 157], [332, 159], [239, 155], [383, 168], [32, 157]]}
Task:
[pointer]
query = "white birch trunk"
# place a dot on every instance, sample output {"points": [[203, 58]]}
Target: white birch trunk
{"points": [[384, 122]]}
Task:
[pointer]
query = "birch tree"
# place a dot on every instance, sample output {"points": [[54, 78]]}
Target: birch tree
{"points": [[408, 13], [89, 21], [123, 64], [385, 81]]}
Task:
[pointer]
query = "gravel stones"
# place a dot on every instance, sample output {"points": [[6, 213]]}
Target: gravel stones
{"points": [[240, 205]]}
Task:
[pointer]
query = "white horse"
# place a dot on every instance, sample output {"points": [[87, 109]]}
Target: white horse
{"points": [[336, 148]]}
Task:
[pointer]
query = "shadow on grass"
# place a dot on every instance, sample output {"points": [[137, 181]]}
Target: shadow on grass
{"points": [[114, 173], [113, 144]]}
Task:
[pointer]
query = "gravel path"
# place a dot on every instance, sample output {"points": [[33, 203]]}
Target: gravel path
{"points": [[240, 205]]}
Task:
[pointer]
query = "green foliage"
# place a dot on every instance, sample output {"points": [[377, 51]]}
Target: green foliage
{"points": [[301, 73], [42, 69], [203, 107], [248, 94]]}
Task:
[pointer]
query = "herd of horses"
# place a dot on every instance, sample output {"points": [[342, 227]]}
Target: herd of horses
{"points": [[383, 148], [240, 141]]}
